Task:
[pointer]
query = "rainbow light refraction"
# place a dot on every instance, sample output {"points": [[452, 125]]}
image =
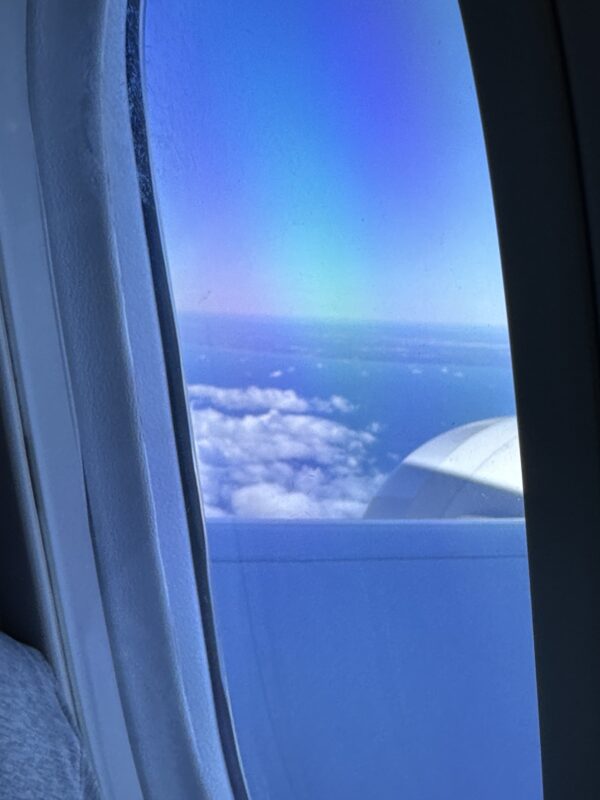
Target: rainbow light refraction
{"points": [[322, 159]]}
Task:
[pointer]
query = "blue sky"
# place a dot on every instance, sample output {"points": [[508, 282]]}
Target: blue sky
{"points": [[321, 159]]}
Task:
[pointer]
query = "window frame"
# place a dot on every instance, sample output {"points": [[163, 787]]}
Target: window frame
{"points": [[536, 104], [123, 611]]}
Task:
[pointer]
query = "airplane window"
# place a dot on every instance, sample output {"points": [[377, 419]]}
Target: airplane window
{"points": [[327, 217]]}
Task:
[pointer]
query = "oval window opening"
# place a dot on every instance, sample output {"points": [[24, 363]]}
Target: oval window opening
{"points": [[327, 215]]}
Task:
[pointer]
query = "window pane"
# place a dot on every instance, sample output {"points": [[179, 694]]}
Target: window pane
{"points": [[328, 219]]}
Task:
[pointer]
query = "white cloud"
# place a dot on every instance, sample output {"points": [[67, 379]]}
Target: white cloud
{"points": [[273, 436], [272, 500], [254, 399], [276, 374], [337, 403], [267, 453]]}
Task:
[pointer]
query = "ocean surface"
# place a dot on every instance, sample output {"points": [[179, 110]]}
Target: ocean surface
{"points": [[301, 418]]}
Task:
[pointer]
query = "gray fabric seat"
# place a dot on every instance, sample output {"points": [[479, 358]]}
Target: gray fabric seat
{"points": [[41, 755]]}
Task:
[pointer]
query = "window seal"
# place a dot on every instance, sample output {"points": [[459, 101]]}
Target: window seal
{"points": [[176, 389]]}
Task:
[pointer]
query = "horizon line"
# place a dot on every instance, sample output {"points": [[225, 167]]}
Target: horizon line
{"points": [[332, 320]]}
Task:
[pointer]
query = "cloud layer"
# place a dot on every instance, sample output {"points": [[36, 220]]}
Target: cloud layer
{"points": [[272, 453], [255, 399]]}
